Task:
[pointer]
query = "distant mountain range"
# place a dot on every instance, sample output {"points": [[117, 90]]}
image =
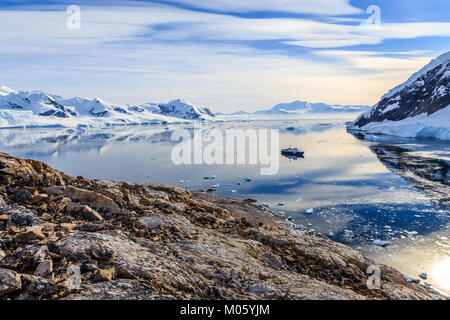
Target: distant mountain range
{"points": [[41, 109], [37, 109], [301, 107], [419, 107]]}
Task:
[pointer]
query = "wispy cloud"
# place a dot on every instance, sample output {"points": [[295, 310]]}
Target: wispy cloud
{"points": [[131, 52], [319, 7]]}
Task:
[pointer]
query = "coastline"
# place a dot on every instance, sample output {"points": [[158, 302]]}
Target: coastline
{"points": [[153, 241]]}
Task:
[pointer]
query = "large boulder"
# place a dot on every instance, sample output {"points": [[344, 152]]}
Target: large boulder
{"points": [[9, 281]]}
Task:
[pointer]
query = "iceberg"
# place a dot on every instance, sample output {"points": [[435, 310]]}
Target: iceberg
{"points": [[381, 243]]}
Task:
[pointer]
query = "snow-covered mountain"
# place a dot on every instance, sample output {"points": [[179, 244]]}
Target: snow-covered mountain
{"points": [[37, 109], [237, 113], [298, 108], [419, 107], [304, 107], [184, 110], [4, 91]]}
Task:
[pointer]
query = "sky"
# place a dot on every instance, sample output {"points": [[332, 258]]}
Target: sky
{"points": [[223, 54]]}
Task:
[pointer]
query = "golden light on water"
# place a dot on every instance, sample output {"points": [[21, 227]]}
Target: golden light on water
{"points": [[441, 274]]}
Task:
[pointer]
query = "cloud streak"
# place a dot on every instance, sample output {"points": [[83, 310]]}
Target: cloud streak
{"points": [[155, 51], [318, 7]]}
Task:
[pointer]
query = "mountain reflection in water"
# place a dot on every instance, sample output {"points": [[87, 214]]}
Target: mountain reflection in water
{"points": [[429, 175], [424, 164], [362, 187]]}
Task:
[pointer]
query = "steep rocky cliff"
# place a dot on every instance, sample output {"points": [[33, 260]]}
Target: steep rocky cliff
{"points": [[420, 107]]}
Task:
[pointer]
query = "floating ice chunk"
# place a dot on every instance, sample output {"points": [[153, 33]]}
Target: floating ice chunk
{"points": [[359, 248], [330, 234], [265, 204], [238, 183], [423, 275], [411, 280], [246, 179], [233, 191], [216, 186], [228, 185], [298, 200], [381, 243], [209, 177], [310, 211], [280, 204], [408, 279], [181, 181]]}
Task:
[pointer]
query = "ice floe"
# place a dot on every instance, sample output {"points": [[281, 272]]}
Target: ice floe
{"points": [[381, 243]]}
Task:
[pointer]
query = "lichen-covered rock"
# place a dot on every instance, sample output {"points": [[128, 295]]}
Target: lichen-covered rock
{"points": [[94, 199], [9, 281], [122, 240], [39, 286], [174, 221], [29, 235], [83, 211], [44, 269], [20, 216], [103, 275], [121, 289]]}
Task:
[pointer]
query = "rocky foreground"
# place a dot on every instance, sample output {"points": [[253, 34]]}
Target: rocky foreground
{"points": [[152, 241]]}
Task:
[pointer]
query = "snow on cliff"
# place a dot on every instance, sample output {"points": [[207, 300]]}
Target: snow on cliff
{"points": [[184, 110], [443, 58], [420, 107]]}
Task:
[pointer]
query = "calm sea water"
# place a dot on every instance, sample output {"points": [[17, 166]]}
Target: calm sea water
{"points": [[360, 189]]}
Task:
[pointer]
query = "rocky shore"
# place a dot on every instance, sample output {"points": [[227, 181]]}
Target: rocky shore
{"points": [[152, 241]]}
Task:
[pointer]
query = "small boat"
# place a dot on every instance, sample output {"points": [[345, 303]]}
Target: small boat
{"points": [[292, 153]]}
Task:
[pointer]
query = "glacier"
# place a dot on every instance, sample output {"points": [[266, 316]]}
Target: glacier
{"points": [[436, 125]]}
